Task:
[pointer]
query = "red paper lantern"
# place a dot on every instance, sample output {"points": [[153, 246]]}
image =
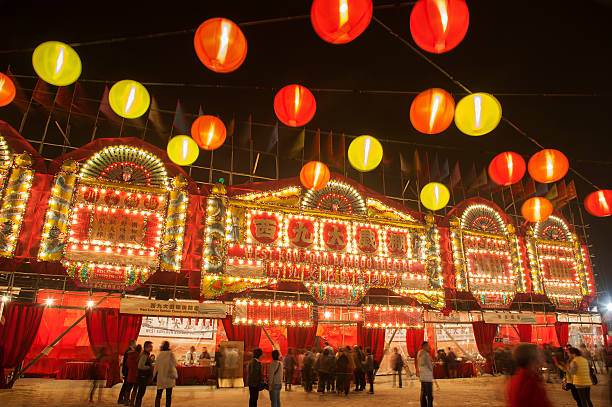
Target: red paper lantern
{"points": [[599, 203], [7, 90], [432, 111], [314, 175], [340, 21], [294, 105], [507, 168], [208, 132], [548, 166], [536, 209], [439, 25], [220, 45]]}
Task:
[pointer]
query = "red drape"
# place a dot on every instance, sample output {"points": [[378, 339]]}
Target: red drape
{"points": [[524, 332], [484, 334], [373, 339], [109, 329], [21, 322], [249, 334], [562, 330], [301, 337], [414, 340]]}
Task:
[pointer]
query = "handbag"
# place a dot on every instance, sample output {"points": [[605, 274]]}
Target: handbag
{"points": [[593, 375]]}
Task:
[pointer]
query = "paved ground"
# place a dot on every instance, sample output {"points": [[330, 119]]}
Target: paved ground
{"points": [[475, 392]]}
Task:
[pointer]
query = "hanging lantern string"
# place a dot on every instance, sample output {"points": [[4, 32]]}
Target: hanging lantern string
{"points": [[465, 88]]}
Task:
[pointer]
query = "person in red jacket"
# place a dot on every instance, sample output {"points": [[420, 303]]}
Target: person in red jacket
{"points": [[526, 388]]}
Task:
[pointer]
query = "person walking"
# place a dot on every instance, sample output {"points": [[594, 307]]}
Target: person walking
{"points": [[453, 363], [98, 374], [581, 376], [145, 371], [308, 370], [397, 364], [124, 393], [344, 370], [275, 379], [255, 377], [165, 371], [425, 367], [368, 367], [289, 363], [526, 387]]}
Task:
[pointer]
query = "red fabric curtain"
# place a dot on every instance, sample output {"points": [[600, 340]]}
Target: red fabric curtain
{"points": [[414, 340], [562, 330], [109, 333], [484, 334], [301, 337], [17, 332], [373, 339], [524, 332], [249, 334]]}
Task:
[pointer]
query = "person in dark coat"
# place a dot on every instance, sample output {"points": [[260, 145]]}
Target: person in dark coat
{"points": [[289, 363], [308, 370], [255, 377], [344, 370], [397, 364], [323, 367], [452, 363], [132, 376], [124, 393], [145, 371], [368, 368]]}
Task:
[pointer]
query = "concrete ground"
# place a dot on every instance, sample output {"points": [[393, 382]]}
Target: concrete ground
{"points": [[473, 392]]}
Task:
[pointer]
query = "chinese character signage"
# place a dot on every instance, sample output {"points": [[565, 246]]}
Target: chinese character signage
{"points": [[190, 309]]}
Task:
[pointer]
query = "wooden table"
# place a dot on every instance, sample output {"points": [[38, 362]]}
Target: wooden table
{"points": [[193, 375]]}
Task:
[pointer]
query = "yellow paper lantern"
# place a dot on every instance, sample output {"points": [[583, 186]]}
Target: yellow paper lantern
{"points": [[56, 63], [478, 114], [129, 99], [365, 153], [434, 196], [183, 150]]}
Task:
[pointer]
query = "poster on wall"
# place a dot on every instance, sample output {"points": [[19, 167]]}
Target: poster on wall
{"points": [[167, 327]]}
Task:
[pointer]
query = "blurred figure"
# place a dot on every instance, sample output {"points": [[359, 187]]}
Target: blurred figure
{"points": [[358, 359], [601, 357], [308, 370], [98, 374], [425, 367], [191, 356], [344, 370], [300, 365], [397, 364], [289, 363], [124, 393], [217, 367], [275, 379], [145, 371], [204, 354], [525, 388], [132, 375], [368, 367], [255, 377], [452, 363], [581, 376], [165, 370], [323, 368]]}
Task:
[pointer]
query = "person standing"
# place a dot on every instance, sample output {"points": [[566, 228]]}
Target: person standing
{"points": [[323, 369], [425, 367], [397, 364], [275, 379], [368, 367], [204, 354], [453, 363], [307, 370], [255, 377], [165, 371], [124, 393], [344, 370], [289, 363], [217, 367], [358, 359], [526, 388], [581, 376], [132, 376], [145, 371]]}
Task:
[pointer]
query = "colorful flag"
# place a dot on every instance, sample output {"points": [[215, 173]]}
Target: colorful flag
{"points": [[315, 153], [552, 194], [180, 122], [246, 135], [481, 180], [416, 165], [471, 177], [434, 171], [43, 95], [403, 164], [445, 170], [561, 195], [571, 191], [155, 119], [340, 152], [298, 145], [328, 149], [424, 175], [63, 97], [541, 189], [80, 102], [106, 110], [20, 99], [273, 138], [455, 176], [529, 189]]}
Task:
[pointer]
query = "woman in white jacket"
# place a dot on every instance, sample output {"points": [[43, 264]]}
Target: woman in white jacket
{"points": [[165, 370], [275, 379]]}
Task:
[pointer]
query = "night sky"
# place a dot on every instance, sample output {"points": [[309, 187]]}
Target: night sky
{"points": [[526, 47]]}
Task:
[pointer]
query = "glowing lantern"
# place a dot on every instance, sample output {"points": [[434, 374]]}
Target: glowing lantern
{"points": [[439, 25], [220, 45], [314, 175], [434, 196], [478, 114], [507, 168], [182, 150], [340, 21], [536, 209], [365, 153], [294, 105], [7, 90], [432, 111], [208, 132], [56, 63], [129, 99], [548, 165], [599, 203]]}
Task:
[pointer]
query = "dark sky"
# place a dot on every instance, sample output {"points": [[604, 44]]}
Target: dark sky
{"points": [[528, 47]]}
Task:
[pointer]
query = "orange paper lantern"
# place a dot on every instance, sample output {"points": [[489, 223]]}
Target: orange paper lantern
{"points": [[208, 132], [7, 90], [536, 209], [548, 166], [220, 45], [314, 175], [432, 111], [294, 105], [340, 21], [599, 203], [439, 25], [507, 168]]}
